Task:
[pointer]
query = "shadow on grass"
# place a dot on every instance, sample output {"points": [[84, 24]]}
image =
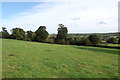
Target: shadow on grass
{"points": [[96, 49]]}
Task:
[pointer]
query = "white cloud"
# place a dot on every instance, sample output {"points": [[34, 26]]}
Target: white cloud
{"points": [[89, 13]]}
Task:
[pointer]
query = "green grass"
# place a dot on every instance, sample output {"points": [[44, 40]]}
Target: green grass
{"points": [[41, 60]]}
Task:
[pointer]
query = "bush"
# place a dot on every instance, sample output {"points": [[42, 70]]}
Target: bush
{"points": [[0, 34], [119, 41], [49, 40], [94, 39], [85, 41], [59, 41], [112, 40], [79, 41], [74, 40]]}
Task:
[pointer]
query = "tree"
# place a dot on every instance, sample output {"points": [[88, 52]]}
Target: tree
{"points": [[4, 32], [0, 34], [62, 34], [19, 34], [30, 35], [94, 39], [112, 40], [41, 34], [119, 41]]}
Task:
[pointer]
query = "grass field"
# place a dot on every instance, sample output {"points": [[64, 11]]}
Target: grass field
{"points": [[22, 59]]}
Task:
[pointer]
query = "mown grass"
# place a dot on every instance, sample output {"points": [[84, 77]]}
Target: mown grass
{"points": [[41, 60]]}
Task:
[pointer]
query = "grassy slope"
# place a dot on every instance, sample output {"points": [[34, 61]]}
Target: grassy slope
{"points": [[40, 60]]}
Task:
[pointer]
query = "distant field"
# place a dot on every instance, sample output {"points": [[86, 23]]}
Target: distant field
{"points": [[22, 59]]}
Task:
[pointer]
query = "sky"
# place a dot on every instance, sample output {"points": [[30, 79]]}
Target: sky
{"points": [[79, 16]]}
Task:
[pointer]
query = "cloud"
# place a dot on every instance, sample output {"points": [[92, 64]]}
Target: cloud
{"points": [[75, 18], [79, 16], [102, 22]]}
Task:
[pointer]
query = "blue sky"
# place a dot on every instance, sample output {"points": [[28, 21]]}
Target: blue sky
{"points": [[80, 16], [12, 8]]}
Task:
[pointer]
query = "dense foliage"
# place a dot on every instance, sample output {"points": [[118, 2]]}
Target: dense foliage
{"points": [[112, 40], [62, 34], [30, 35], [94, 39], [119, 41], [41, 34], [4, 33], [62, 37], [19, 34]]}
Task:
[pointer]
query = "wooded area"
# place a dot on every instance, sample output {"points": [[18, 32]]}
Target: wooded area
{"points": [[62, 37]]}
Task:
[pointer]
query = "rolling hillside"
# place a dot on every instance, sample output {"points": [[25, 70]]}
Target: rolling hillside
{"points": [[22, 59]]}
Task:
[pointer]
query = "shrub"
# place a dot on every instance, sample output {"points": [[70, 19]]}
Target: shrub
{"points": [[85, 41], [119, 41], [0, 34], [79, 41], [49, 40], [94, 39], [74, 40], [112, 40], [60, 41]]}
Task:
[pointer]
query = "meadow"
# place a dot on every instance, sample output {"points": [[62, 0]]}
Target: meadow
{"points": [[23, 59]]}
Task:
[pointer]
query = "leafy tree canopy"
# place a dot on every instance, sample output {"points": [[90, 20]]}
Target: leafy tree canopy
{"points": [[18, 33], [41, 34], [94, 39]]}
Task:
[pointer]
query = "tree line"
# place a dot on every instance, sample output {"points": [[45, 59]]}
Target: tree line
{"points": [[42, 35]]}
